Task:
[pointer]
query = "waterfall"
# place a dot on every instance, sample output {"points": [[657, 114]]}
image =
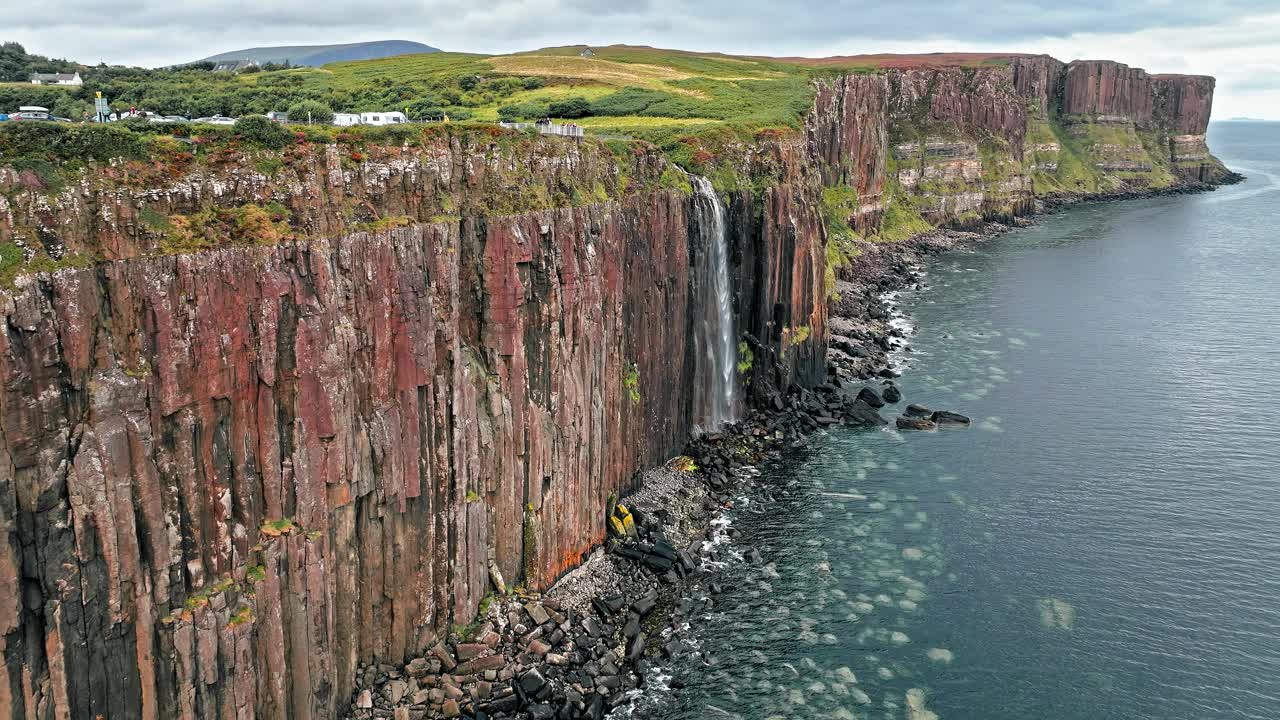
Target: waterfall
{"points": [[717, 336]]}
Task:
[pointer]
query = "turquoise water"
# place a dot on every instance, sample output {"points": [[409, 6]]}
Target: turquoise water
{"points": [[1103, 543]]}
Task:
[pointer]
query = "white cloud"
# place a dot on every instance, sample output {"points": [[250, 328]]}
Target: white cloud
{"points": [[1236, 41]]}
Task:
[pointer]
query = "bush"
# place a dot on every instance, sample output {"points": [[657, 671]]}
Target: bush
{"points": [[59, 141], [575, 107], [468, 82], [258, 130], [427, 108], [523, 111], [316, 111], [628, 101], [532, 83]]}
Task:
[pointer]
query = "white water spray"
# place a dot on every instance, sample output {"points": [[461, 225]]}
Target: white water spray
{"points": [[717, 334]]}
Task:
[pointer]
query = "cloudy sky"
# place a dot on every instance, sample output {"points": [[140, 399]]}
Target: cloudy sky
{"points": [[1236, 41]]}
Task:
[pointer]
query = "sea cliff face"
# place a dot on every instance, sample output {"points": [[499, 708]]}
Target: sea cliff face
{"points": [[959, 145], [295, 413]]}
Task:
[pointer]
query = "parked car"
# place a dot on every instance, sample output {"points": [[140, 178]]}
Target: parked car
{"points": [[216, 120], [3, 117], [168, 119], [31, 112]]}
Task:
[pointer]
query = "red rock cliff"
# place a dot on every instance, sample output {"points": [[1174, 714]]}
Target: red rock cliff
{"points": [[1183, 103], [1109, 89], [228, 477]]}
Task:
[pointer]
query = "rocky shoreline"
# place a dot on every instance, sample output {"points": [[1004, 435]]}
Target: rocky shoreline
{"points": [[589, 644]]}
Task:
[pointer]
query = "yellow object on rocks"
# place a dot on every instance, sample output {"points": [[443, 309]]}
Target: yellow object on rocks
{"points": [[622, 523]]}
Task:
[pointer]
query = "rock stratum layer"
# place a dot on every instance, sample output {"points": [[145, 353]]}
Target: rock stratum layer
{"points": [[235, 465]]}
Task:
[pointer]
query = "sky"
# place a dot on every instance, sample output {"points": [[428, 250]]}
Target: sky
{"points": [[1236, 41]]}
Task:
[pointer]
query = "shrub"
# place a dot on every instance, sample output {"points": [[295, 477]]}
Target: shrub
{"points": [[575, 107], [260, 131], [427, 108], [310, 111], [468, 82], [523, 111], [59, 141], [532, 83]]}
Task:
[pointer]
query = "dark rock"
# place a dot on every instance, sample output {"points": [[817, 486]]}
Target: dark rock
{"points": [[635, 647], [870, 397], [632, 628], [891, 394], [914, 410], [532, 682], [946, 417], [860, 413]]}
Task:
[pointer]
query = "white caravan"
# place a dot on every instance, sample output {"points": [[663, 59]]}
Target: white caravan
{"points": [[382, 118]]}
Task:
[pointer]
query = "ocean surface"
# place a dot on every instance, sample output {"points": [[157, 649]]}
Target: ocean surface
{"points": [[1103, 543]]}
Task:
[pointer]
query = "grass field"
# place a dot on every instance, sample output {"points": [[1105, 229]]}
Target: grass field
{"points": [[625, 86]]}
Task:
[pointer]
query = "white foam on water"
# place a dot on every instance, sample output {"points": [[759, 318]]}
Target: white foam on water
{"points": [[1057, 613], [916, 709], [940, 655]]}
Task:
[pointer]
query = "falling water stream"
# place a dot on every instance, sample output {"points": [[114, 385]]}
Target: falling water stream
{"points": [[717, 334]]}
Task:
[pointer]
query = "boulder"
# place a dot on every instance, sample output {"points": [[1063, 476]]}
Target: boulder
{"points": [[365, 700], [860, 413], [919, 411], [870, 397], [891, 393], [946, 417]]}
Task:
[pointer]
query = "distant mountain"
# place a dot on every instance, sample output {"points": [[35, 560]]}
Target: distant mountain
{"points": [[1247, 119], [314, 55]]}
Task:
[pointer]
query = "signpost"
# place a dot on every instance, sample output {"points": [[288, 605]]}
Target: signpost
{"points": [[100, 108]]}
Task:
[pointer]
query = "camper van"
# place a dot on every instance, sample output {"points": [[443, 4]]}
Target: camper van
{"points": [[346, 119], [382, 118]]}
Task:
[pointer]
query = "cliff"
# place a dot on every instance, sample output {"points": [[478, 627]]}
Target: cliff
{"points": [[232, 475], [957, 145], [269, 415]]}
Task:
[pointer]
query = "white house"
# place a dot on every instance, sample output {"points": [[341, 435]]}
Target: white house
{"points": [[382, 118], [56, 79], [346, 119]]}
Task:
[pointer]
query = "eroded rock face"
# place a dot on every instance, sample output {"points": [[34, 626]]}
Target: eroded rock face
{"points": [[1102, 89], [848, 131], [1183, 103], [1038, 78]]}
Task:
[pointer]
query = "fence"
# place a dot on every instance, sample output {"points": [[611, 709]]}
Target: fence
{"points": [[547, 128]]}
